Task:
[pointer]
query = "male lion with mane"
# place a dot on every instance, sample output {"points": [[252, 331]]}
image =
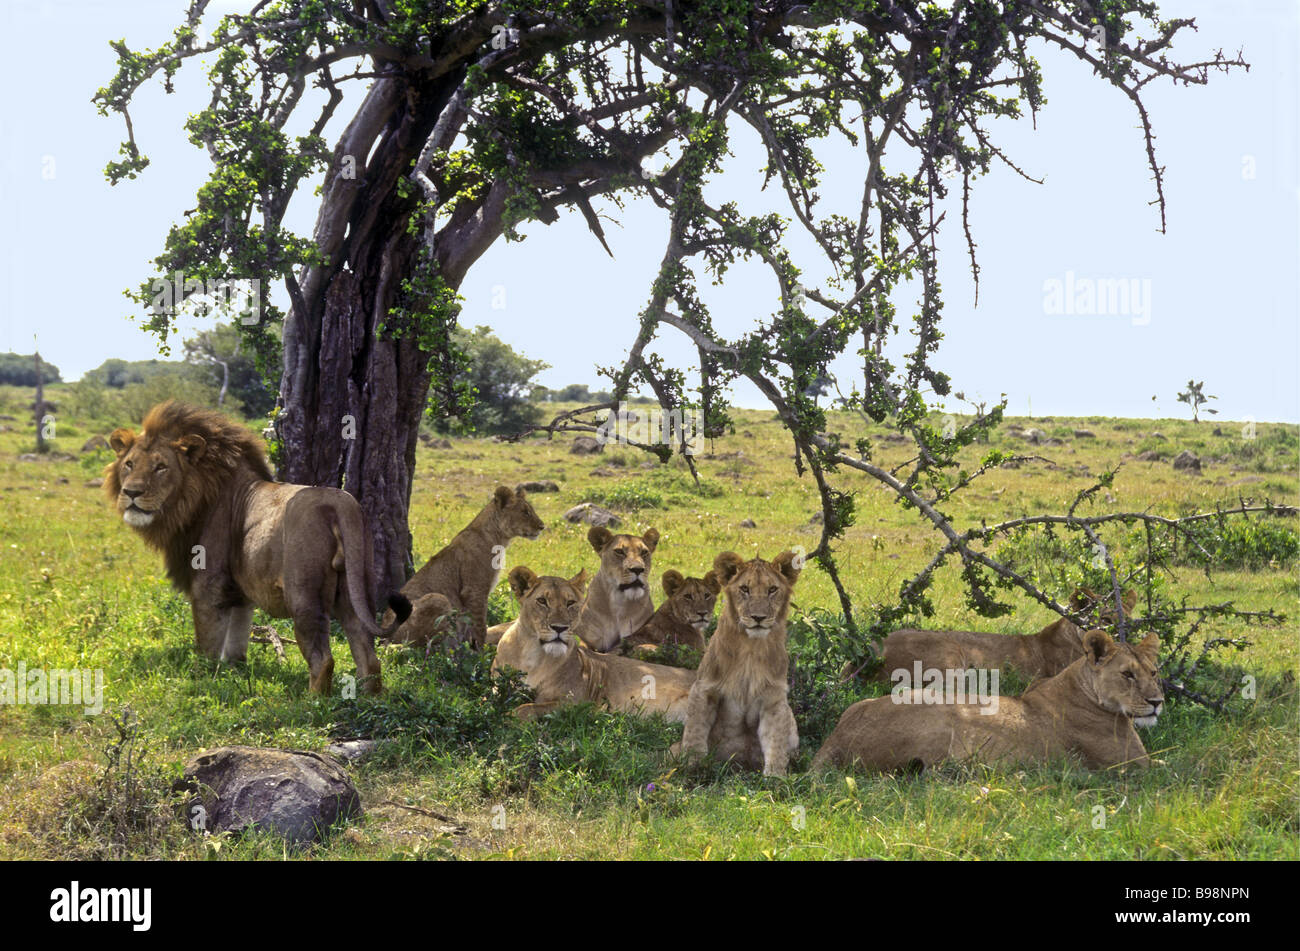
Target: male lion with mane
{"points": [[739, 707], [541, 643], [1090, 709], [198, 488]]}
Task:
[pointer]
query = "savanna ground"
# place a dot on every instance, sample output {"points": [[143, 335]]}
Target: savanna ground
{"points": [[79, 590]]}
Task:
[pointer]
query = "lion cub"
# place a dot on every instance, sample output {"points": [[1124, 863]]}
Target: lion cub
{"points": [[461, 576], [541, 643], [682, 619], [1044, 654], [1090, 708], [618, 602], [738, 707]]}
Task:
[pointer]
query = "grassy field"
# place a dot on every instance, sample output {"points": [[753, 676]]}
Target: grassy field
{"points": [[78, 589]]}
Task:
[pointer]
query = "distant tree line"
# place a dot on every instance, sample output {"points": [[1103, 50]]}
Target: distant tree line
{"points": [[19, 369]]}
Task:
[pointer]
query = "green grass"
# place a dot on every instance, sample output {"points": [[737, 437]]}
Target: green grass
{"points": [[77, 589]]}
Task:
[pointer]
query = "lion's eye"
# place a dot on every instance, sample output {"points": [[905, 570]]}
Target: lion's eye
{"points": [[1129, 675], [128, 465], [542, 602], [744, 589], [570, 603], [771, 590], [161, 467]]}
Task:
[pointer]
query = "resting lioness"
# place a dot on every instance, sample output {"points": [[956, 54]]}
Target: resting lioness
{"points": [[1090, 708], [618, 602], [682, 619], [738, 707], [1044, 654], [561, 671], [465, 572]]}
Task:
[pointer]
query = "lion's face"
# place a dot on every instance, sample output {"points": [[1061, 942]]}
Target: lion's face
{"points": [[691, 600], [758, 592], [1124, 676], [625, 559], [548, 607], [150, 472], [515, 514]]}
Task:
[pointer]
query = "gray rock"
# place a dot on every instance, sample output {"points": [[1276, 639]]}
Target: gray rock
{"points": [[349, 750], [586, 446], [593, 515], [1149, 456], [1035, 436], [295, 794], [93, 443], [1161, 436], [1084, 434], [1187, 461], [93, 483], [749, 523], [539, 485], [816, 519]]}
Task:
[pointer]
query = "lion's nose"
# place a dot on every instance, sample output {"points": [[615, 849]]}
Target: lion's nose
{"points": [[1156, 702], [559, 628], [133, 493], [758, 618], [636, 569]]}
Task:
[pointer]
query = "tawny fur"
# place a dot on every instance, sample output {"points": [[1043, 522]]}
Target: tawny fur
{"points": [[459, 578], [542, 645], [1089, 710], [682, 619], [1044, 654], [618, 601], [738, 707], [198, 488]]}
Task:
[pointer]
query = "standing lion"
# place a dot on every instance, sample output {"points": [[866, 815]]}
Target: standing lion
{"points": [[198, 488], [738, 706]]}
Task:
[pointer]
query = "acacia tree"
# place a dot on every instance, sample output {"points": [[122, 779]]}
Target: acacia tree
{"points": [[479, 116]]}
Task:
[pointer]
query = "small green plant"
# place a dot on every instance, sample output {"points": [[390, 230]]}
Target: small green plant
{"points": [[1196, 398]]}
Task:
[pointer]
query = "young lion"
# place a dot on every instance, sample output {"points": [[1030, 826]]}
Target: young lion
{"points": [[1044, 654], [542, 645], [1090, 708], [682, 619], [738, 707], [462, 575], [618, 602]]}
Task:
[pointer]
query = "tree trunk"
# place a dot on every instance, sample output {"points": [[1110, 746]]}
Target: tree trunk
{"points": [[350, 399]]}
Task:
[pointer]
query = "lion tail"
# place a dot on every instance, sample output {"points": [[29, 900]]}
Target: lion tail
{"points": [[350, 526]]}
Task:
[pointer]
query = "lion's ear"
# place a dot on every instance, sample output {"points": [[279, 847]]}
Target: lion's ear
{"points": [[599, 537], [672, 581], [579, 581], [711, 581], [651, 538], [785, 563], [503, 495], [1097, 646], [1130, 600], [520, 492], [1149, 648], [727, 565], [521, 579], [191, 446], [121, 440]]}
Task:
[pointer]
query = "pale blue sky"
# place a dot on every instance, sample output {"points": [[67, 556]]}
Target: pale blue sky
{"points": [[1224, 294]]}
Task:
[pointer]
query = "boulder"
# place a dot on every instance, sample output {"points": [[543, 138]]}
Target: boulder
{"points": [[1084, 434], [93, 443], [592, 515], [586, 446], [294, 794], [1187, 461], [749, 523], [539, 485]]}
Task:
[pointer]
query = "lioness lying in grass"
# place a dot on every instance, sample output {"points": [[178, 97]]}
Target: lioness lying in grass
{"points": [[1044, 654], [1090, 709], [541, 643]]}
